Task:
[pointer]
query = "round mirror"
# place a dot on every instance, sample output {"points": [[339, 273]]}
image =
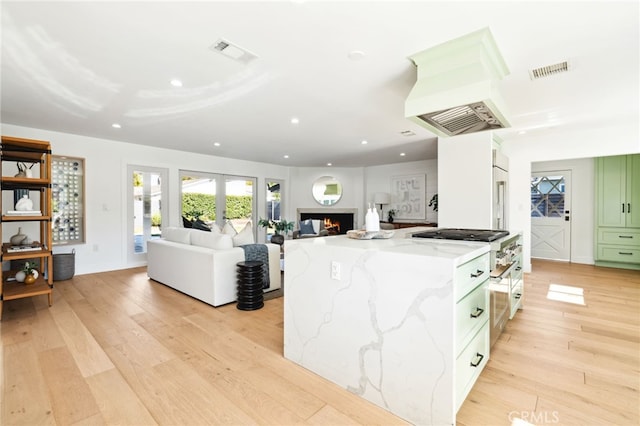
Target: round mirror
{"points": [[327, 190]]}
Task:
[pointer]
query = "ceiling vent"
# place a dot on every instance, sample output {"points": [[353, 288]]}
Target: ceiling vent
{"points": [[549, 70], [232, 51], [456, 90]]}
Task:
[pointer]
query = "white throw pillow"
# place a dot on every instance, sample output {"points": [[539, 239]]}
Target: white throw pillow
{"points": [[316, 226], [215, 229], [245, 236], [211, 240], [177, 235], [228, 229]]}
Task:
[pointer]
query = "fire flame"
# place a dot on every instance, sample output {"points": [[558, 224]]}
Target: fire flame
{"points": [[330, 224]]}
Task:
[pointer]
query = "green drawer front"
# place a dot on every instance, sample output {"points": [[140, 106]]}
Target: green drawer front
{"points": [[619, 254], [471, 313], [469, 275], [619, 236]]}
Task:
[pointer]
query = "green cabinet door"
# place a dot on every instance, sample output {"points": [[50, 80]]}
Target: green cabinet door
{"points": [[633, 191], [611, 190]]}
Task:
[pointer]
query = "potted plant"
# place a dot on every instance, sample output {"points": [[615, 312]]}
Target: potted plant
{"points": [[434, 202], [391, 214], [280, 227], [31, 272]]}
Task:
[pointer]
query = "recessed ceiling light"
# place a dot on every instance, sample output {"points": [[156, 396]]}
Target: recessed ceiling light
{"points": [[176, 83], [364, 142], [295, 120], [216, 144], [116, 126], [329, 164], [402, 154], [286, 156]]}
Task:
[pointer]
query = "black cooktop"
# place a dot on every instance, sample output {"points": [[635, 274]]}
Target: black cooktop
{"points": [[486, 235]]}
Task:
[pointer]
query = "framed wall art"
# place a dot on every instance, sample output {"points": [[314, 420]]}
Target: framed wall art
{"points": [[67, 193], [408, 196]]}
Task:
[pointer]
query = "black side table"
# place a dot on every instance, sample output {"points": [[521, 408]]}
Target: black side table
{"points": [[250, 280]]}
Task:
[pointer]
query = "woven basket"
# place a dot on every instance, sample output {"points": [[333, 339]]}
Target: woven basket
{"points": [[64, 266]]}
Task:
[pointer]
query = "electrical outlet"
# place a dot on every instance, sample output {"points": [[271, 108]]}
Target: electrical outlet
{"points": [[335, 270]]}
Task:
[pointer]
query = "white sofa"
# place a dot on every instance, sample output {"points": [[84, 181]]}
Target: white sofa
{"points": [[202, 264]]}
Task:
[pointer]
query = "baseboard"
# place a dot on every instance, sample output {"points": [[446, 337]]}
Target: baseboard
{"points": [[619, 265]]}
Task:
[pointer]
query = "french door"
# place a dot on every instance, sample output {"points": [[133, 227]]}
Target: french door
{"points": [[551, 215], [147, 194], [216, 199]]}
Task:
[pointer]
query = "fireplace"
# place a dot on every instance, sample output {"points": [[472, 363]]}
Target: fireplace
{"points": [[336, 221]]}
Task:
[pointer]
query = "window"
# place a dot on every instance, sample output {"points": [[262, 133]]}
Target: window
{"points": [[547, 196]]}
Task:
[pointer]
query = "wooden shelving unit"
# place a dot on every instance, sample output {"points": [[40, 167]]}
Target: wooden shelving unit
{"points": [[36, 154]]}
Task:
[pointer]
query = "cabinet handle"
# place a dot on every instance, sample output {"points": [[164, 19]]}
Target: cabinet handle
{"points": [[628, 207], [625, 236], [477, 312], [476, 362], [517, 296], [625, 253], [477, 274], [622, 207]]}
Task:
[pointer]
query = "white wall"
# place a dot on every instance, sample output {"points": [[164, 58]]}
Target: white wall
{"points": [[106, 183], [302, 179], [551, 146], [582, 204], [359, 186], [378, 179]]}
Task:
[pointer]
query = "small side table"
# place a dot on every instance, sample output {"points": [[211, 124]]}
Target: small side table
{"points": [[250, 280]]}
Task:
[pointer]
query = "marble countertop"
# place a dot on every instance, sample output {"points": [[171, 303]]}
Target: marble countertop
{"points": [[401, 242]]}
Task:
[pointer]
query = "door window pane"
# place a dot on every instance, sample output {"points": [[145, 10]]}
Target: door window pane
{"points": [[547, 196], [198, 198], [210, 198], [147, 205], [274, 203], [239, 200]]}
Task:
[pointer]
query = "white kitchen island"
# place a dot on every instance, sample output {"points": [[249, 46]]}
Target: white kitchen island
{"points": [[401, 322]]}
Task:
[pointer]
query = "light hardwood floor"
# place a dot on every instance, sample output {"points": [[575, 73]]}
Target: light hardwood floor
{"points": [[116, 348]]}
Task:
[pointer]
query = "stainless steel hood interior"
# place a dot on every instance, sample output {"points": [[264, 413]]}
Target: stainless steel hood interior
{"points": [[456, 91]]}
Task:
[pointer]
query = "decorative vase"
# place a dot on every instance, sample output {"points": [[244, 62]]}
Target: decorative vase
{"points": [[18, 194], [24, 204], [29, 279], [20, 276], [390, 219], [18, 239], [277, 239]]}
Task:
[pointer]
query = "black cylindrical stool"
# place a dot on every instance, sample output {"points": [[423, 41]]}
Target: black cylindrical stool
{"points": [[250, 280]]}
